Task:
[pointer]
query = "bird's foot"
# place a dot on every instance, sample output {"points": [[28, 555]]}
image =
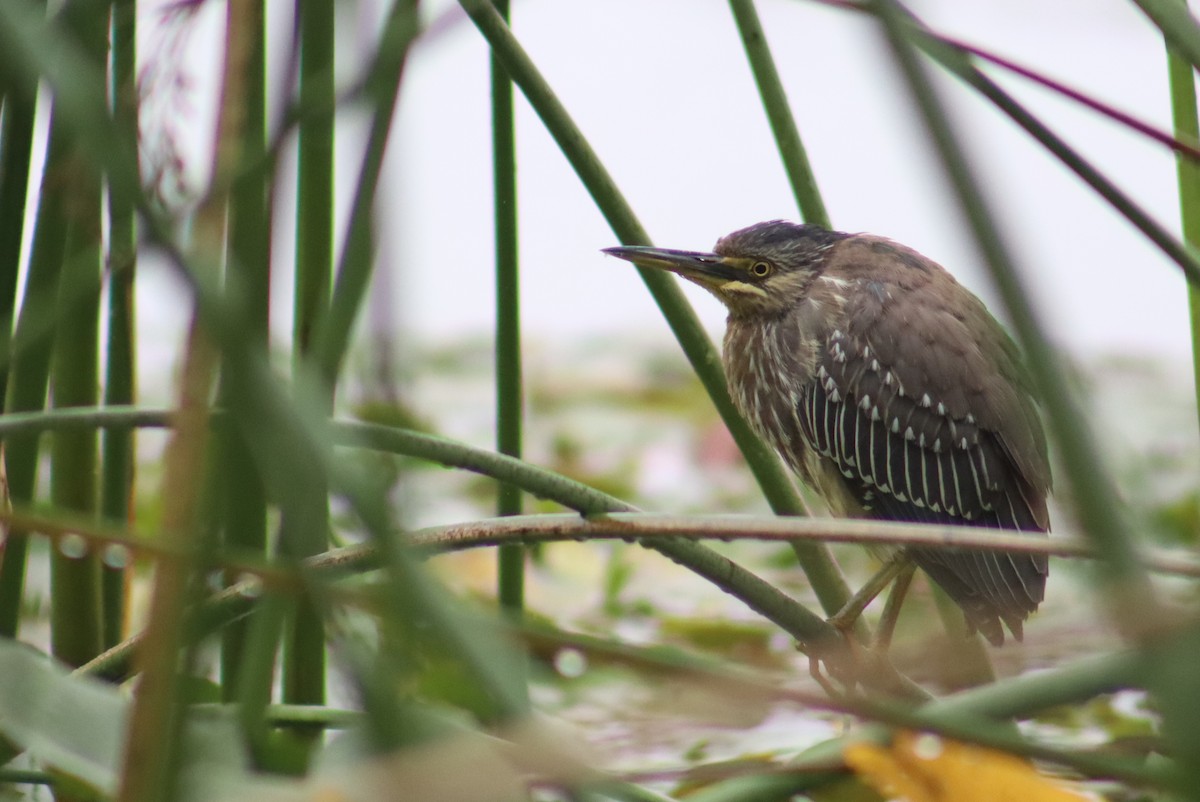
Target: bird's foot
{"points": [[826, 682], [835, 664]]}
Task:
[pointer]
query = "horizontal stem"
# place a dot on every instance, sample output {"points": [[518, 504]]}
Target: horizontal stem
{"points": [[637, 526], [548, 484], [970, 716]]}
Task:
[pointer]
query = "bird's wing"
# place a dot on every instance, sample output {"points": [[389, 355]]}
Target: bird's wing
{"points": [[926, 428]]}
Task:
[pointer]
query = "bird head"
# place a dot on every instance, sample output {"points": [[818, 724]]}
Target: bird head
{"points": [[761, 270]]}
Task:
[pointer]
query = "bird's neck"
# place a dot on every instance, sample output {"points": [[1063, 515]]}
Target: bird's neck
{"points": [[768, 362]]}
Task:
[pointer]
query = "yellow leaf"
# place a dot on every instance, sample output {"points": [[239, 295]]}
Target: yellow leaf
{"points": [[920, 767]]}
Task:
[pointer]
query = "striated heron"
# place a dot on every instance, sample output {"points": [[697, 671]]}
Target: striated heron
{"points": [[889, 388]]}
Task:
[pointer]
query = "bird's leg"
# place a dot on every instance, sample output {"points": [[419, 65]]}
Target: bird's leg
{"points": [[891, 609], [814, 671], [845, 618]]}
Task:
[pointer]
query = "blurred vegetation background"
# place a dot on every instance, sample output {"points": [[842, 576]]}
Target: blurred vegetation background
{"points": [[242, 560]]}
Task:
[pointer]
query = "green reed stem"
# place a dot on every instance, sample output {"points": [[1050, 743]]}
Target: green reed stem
{"points": [[783, 125], [816, 561], [1178, 26], [304, 531], [357, 262], [77, 612], [958, 63], [120, 380], [30, 364], [244, 508], [509, 406], [16, 151], [1187, 128]]}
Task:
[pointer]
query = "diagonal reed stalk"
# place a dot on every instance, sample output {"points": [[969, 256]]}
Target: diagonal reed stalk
{"points": [[816, 561]]}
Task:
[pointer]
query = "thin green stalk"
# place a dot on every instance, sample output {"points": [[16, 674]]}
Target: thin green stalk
{"points": [[314, 190], [816, 561], [30, 364], [77, 629], [1178, 26], [1176, 683], [509, 411], [33, 48], [759, 595], [305, 531], [16, 149], [779, 113], [120, 381], [965, 725], [755, 592], [256, 677], [357, 260], [1187, 128], [27, 776], [244, 507], [1014, 697]]}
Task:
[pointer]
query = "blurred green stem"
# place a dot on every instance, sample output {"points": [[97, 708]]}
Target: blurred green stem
{"points": [[243, 510], [959, 63], [16, 151], [355, 267], [1174, 20], [783, 125], [818, 564], [77, 612], [304, 531], [26, 351], [120, 380], [29, 371], [509, 407], [1187, 128]]}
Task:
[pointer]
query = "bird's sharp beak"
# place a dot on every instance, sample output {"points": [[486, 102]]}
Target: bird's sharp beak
{"points": [[706, 269]]}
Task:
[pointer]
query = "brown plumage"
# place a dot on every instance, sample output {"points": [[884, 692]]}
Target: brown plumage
{"points": [[890, 389]]}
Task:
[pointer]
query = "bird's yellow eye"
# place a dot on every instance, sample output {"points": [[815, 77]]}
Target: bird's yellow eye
{"points": [[761, 269]]}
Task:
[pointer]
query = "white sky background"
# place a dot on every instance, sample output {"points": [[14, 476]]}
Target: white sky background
{"points": [[662, 90]]}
